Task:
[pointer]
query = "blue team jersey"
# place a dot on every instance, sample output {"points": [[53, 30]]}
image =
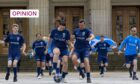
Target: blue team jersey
{"points": [[102, 48], [15, 42], [39, 46], [81, 38], [60, 38], [131, 43]]}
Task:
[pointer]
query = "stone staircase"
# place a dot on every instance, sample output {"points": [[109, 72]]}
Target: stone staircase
{"points": [[28, 65]]}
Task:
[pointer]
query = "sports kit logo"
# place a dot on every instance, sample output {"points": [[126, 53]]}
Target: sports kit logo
{"points": [[83, 33], [18, 38], [64, 35]]}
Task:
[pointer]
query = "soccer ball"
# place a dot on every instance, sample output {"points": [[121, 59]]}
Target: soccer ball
{"points": [[57, 79], [30, 54]]}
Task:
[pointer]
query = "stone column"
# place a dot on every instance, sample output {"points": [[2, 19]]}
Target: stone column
{"points": [[101, 17], [41, 24]]}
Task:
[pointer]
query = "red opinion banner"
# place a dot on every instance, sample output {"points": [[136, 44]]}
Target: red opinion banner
{"points": [[24, 13]]}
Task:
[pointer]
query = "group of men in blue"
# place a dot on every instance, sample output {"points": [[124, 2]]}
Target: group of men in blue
{"points": [[62, 45]]}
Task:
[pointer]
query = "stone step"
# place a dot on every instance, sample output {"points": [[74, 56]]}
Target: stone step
{"points": [[27, 64]]}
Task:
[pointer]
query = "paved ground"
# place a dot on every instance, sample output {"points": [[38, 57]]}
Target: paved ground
{"points": [[72, 78]]}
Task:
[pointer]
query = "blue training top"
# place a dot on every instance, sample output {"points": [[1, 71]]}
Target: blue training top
{"points": [[39, 46], [102, 48], [60, 38], [81, 38], [15, 42], [131, 43]]}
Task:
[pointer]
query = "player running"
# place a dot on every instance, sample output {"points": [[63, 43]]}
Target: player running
{"points": [[39, 48], [16, 45], [50, 49], [102, 49], [82, 37], [60, 37], [131, 44]]}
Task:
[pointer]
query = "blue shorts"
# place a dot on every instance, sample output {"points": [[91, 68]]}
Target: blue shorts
{"points": [[14, 55], [129, 58], [40, 57], [102, 59], [64, 53], [82, 53]]}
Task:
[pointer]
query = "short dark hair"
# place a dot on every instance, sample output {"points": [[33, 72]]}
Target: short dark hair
{"points": [[133, 26], [82, 21], [15, 25], [38, 34], [57, 21], [102, 36]]}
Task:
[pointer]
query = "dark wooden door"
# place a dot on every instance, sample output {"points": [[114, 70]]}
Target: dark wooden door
{"points": [[72, 14], [123, 18], [5, 27]]}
